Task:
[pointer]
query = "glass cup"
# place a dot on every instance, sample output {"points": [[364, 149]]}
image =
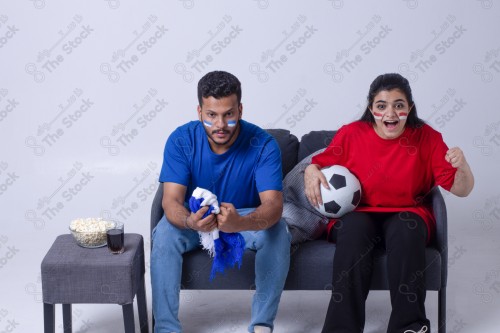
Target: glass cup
{"points": [[115, 238]]}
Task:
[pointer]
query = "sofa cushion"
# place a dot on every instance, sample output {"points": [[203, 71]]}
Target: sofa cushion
{"points": [[311, 267]]}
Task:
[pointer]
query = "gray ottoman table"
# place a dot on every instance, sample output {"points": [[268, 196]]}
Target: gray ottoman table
{"points": [[72, 274]]}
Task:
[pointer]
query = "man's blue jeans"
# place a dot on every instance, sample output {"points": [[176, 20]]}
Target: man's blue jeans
{"points": [[272, 261]]}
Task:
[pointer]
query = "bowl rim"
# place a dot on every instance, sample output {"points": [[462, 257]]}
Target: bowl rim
{"points": [[113, 225]]}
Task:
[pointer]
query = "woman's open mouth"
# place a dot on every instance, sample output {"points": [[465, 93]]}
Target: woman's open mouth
{"points": [[391, 124]]}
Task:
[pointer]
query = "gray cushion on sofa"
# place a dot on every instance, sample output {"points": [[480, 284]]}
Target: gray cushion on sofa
{"points": [[304, 221]]}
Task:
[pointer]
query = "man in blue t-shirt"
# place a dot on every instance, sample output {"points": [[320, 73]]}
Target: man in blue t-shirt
{"points": [[241, 164]]}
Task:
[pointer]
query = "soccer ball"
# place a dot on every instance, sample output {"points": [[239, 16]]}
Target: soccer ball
{"points": [[344, 193]]}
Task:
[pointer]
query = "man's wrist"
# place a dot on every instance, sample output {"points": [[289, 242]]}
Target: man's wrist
{"points": [[186, 224]]}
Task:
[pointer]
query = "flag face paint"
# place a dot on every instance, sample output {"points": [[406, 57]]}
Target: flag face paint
{"points": [[230, 123], [401, 115]]}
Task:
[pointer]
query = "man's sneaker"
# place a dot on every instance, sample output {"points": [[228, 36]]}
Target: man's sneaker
{"points": [[262, 329]]}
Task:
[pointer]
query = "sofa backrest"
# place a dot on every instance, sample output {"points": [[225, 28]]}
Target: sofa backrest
{"points": [[293, 151], [289, 146], [314, 141]]}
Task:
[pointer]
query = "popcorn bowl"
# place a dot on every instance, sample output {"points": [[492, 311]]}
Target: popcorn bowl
{"points": [[90, 232]]}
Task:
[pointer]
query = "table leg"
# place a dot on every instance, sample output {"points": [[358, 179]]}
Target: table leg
{"points": [[142, 307], [128, 317], [49, 318], [67, 319]]}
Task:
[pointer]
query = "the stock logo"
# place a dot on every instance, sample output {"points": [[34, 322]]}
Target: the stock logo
{"points": [[126, 58], [143, 187], [68, 114], [8, 179], [347, 60], [144, 113], [295, 110], [9, 107], [69, 186], [201, 57], [445, 37], [276, 57], [10, 32], [489, 66], [447, 108], [8, 251], [51, 58]]}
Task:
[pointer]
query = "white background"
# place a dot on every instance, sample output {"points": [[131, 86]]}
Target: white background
{"points": [[90, 90]]}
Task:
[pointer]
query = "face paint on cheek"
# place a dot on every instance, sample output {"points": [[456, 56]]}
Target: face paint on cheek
{"points": [[231, 123], [403, 115], [207, 123], [377, 115]]}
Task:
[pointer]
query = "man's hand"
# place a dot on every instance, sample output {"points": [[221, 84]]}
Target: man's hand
{"points": [[228, 218], [195, 221]]}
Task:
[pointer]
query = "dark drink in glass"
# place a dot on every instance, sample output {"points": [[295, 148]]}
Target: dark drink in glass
{"points": [[115, 238]]}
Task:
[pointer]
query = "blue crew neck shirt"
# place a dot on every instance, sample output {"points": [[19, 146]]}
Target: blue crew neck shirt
{"points": [[250, 166]]}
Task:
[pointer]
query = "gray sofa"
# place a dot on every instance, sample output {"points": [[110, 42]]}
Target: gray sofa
{"points": [[312, 261]]}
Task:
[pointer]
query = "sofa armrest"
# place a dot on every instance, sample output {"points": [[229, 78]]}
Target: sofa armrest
{"points": [[441, 240]]}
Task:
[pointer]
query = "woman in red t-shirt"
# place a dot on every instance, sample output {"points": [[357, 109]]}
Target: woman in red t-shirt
{"points": [[398, 159]]}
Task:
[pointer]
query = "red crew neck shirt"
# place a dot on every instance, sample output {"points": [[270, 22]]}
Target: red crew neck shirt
{"points": [[395, 174]]}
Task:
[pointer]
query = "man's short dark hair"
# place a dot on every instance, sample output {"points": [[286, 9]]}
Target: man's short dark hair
{"points": [[218, 84]]}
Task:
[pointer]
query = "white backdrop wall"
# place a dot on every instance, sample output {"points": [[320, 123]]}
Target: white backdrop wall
{"points": [[90, 90]]}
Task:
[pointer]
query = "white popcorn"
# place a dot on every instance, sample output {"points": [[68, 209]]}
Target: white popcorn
{"points": [[90, 232]]}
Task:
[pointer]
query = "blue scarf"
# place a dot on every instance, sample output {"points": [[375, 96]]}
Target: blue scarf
{"points": [[226, 248]]}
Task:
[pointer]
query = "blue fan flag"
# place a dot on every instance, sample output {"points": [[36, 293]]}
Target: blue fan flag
{"points": [[226, 248]]}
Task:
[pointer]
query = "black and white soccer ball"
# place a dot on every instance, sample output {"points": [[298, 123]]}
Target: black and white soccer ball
{"points": [[344, 194]]}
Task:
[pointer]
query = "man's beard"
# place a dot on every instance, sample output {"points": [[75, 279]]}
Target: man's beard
{"points": [[211, 134]]}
